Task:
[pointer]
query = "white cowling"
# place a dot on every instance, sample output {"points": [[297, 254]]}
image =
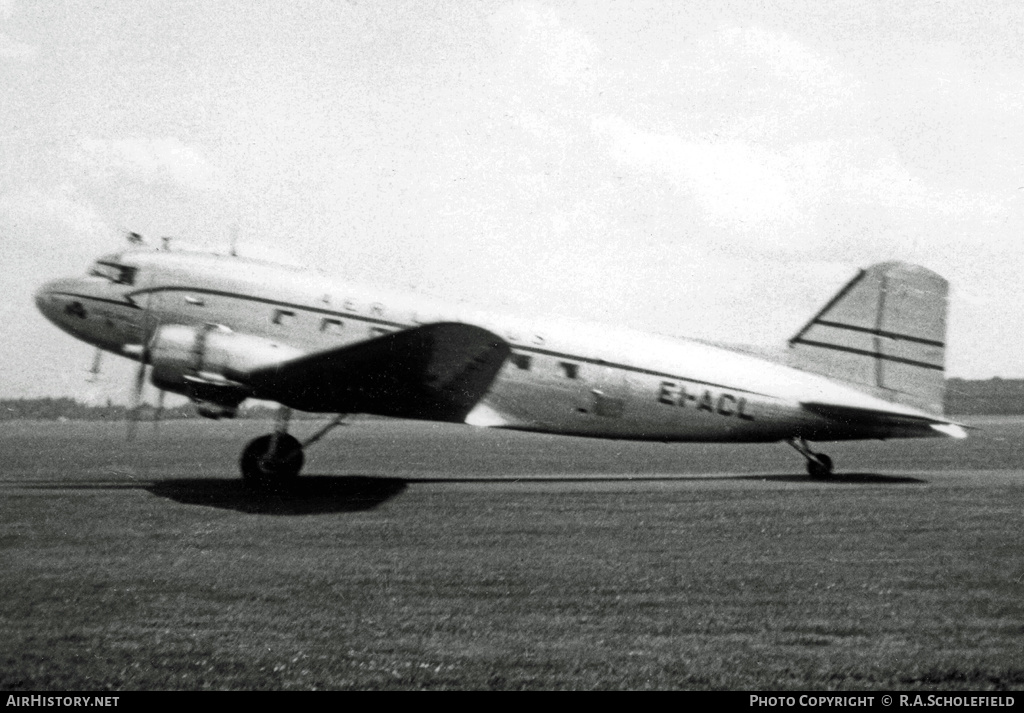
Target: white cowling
{"points": [[210, 358]]}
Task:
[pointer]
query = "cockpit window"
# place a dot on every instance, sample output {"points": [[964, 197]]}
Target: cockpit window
{"points": [[118, 274]]}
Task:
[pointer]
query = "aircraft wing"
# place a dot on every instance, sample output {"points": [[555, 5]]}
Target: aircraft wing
{"points": [[897, 415], [437, 371]]}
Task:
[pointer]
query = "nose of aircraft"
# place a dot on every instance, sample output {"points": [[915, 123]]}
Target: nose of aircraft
{"points": [[43, 298], [48, 300]]}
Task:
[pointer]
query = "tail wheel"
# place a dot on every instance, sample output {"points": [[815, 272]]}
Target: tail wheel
{"points": [[259, 470], [820, 468]]}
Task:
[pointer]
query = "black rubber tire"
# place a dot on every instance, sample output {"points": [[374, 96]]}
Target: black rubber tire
{"points": [[258, 473], [820, 470]]}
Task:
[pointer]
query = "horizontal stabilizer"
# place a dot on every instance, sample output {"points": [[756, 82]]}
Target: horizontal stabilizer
{"points": [[437, 372], [953, 430], [885, 417]]}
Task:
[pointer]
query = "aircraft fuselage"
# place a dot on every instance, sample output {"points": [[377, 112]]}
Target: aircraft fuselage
{"points": [[561, 377]]}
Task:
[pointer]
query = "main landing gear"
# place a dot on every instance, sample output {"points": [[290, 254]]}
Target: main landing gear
{"points": [[819, 465], [274, 461]]}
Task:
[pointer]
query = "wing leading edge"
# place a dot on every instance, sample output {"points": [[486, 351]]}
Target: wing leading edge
{"points": [[437, 372]]}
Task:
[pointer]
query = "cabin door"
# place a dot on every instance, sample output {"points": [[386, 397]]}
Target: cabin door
{"points": [[608, 392]]}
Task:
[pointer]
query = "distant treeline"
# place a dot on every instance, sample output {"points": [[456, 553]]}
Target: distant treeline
{"points": [[52, 409], [964, 397], [992, 397]]}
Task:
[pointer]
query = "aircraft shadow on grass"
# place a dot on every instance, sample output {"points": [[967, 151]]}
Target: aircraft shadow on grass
{"points": [[834, 479], [309, 495], [840, 479]]}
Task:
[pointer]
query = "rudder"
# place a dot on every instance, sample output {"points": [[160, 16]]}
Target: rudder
{"points": [[884, 333]]}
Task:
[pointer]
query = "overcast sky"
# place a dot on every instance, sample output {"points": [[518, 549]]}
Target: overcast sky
{"points": [[707, 169]]}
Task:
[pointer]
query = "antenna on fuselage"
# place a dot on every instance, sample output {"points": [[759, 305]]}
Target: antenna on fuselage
{"points": [[234, 240]]}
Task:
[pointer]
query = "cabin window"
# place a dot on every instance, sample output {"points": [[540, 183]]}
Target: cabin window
{"points": [[118, 274], [569, 370], [331, 326], [522, 361], [283, 316]]}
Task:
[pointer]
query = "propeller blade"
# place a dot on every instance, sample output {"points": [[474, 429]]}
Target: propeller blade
{"points": [[136, 405], [159, 411], [140, 375], [94, 372]]}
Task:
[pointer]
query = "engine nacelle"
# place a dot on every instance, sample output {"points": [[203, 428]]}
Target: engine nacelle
{"points": [[208, 362]]}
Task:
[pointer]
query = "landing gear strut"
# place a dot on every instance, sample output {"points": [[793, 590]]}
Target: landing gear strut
{"points": [[819, 465], [275, 460]]}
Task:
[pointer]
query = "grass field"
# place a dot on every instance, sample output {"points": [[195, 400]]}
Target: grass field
{"points": [[424, 556]]}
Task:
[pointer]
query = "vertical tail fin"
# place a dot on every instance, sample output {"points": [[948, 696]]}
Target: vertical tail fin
{"points": [[884, 333]]}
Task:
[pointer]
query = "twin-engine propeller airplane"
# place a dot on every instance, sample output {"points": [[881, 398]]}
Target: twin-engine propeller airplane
{"points": [[221, 329]]}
